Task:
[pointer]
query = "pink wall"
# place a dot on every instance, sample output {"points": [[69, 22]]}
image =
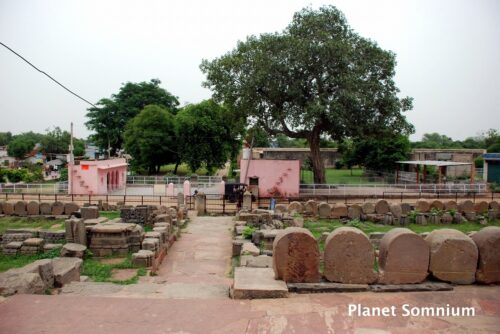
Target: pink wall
{"points": [[97, 177], [275, 176]]}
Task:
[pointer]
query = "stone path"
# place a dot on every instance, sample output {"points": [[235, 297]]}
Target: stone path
{"points": [[196, 266]]}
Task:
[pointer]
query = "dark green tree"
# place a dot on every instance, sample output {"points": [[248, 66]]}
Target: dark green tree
{"points": [[208, 135], [318, 77], [23, 144], [108, 120], [436, 140], [5, 138], [259, 136], [150, 139], [380, 154]]}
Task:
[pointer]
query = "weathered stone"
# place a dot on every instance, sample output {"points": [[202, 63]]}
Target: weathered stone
{"points": [[466, 206], [422, 206], [487, 241], [426, 286], [296, 207], [349, 257], [1, 207], [260, 261], [33, 208], [70, 208], [251, 283], [45, 209], [404, 220], [151, 244], [297, 222], [434, 219], [405, 208], [44, 268], [339, 211], [421, 219], [281, 208], [49, 247], [12, 282], [453, 256], [76, 231], [90, 212], [325, 287], [438, 205], [403, 257], [20, 208], [492, 214], [368, 208], [388, 219], [248, 248], [481, 207], [73, 250], [451, 205], [446, 218], [354, 212], [57, 208], [311, 207], [296, 256], [396, 210], [382, 207], [470, 216], [457, 218], [143, 258], [237, 245], [494, 206], [66, 270], [8, 208], [324, 210]]}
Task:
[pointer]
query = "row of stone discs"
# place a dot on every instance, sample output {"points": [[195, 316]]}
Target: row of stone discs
{"points": [[404, 258], [33, 208], [381, 207]]}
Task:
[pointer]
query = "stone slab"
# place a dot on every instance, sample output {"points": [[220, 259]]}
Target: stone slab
{"points": [[326, 287], [426, 286], [256, 283]]}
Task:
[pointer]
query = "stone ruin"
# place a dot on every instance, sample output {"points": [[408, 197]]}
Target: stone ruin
{"points": [[488, 244]]}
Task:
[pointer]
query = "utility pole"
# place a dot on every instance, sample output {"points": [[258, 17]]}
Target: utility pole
{"points": [[71, 162]]}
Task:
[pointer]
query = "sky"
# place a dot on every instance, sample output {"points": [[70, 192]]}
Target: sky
{"points": [[447, 53]]}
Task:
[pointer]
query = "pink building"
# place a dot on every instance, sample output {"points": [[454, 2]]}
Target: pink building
{"points": [[97, 177], [267, 178]]}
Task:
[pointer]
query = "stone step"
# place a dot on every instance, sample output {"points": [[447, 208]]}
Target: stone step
{"points": [[256, 283]]}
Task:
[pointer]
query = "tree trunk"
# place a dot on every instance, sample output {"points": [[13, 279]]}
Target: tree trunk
{"points": [[317, 164], [176, 165]]}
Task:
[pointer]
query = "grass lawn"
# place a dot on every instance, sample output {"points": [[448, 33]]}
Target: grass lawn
{"points": [[8, 262], [37, 223], [98, 271], [109, 214], [336, 176], [182, 170]]}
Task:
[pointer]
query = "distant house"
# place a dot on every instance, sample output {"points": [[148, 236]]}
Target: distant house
{"points": [[5, 160], [91, 151], [491, 167]]}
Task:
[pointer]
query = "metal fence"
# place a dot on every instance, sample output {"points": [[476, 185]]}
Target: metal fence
{"points": [[172, 179], [34, 188]]}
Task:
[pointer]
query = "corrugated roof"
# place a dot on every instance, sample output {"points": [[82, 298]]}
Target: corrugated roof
{"points": [[437, 163]]}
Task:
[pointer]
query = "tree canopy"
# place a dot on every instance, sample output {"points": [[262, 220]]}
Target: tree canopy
{"points": [[318, 77], [150, 138], [208, 135], [5, 138], [58, 141], [108, 121], [21, 145]]}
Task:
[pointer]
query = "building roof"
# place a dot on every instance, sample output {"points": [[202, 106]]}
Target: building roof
{"points": [[55, 162], [437, 163], [491, 156]]}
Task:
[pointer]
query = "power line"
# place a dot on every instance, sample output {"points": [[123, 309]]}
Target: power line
{"points": [[51, 78]]}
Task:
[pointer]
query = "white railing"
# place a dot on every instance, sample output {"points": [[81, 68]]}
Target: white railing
{"points": [[172, 179], [379, 189], [34, 188]]}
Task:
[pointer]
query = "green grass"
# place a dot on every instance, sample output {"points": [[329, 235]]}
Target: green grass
{"points": [[37, 223], [101, 272], [9, 262], [110, 214], [182, 170], [337, 176]]}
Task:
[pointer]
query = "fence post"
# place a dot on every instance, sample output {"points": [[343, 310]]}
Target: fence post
{"points": [[90, 199], [124, 199], [39, 197], [22, 196], [142, 200], [224, 205]]}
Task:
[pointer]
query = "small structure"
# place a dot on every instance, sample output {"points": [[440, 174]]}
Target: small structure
{"points": [[440, 165], [491, 167], [97, 177]]}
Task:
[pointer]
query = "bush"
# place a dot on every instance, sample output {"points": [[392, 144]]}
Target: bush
{"points": [[248, 231], [339, 164]]}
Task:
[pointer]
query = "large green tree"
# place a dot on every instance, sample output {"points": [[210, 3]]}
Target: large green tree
{"points": [[317, 77], [58, 141], [109, 119], [5, 138], [22, 144], [208, 135], [150, 139]]}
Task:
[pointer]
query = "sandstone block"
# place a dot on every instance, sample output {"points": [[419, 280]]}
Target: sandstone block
{"points": [[8, 208], [382, 207], [33, 208], [487, 241], [73, 250], [403, 257], [45, 209], [453, 256], [339, 211], [396, 211], [368, 208], [466, 206], [69, 208], [311, 207], [248, 248], [66, 270], [296, 207], [494, 206], [349, 257], [296, 256], [438, 205], [481, 207], [451, 205], [20, 208], [58, 208], [89, 212], [354, 212], [324, 210], [405, 208], [422, 206]]}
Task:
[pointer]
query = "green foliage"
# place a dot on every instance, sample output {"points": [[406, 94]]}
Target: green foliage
{"points": [[108, 121], [150, 139], [58, 141], [64, 175], [284, 141], [21, 222], [316, 78], [248, 231], [102, 272], [20, 146], [379, 153], [5, 138], [436, 140], [479, 162], [9, 262], [27, 175], [260, 137], [207, 135], [109, 214]]}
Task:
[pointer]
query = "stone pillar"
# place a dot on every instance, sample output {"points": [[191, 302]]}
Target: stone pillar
{"points": [[247, 201], [222, 188], [187, 188], [170, 189], [180, 199], [200, 204], [75, 231]]}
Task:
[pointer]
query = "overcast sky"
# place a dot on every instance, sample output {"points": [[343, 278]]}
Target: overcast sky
{"points": [[448, 53]]}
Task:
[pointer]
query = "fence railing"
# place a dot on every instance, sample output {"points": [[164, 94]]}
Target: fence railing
{"points": [[172, 179], [34, 188], [379, 189]]}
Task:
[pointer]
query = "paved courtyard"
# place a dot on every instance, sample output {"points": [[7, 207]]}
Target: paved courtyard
{"points": [[189, 295]]}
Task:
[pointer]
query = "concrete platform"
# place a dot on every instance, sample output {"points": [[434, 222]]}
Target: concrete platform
{"points": [[256, 283]]}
